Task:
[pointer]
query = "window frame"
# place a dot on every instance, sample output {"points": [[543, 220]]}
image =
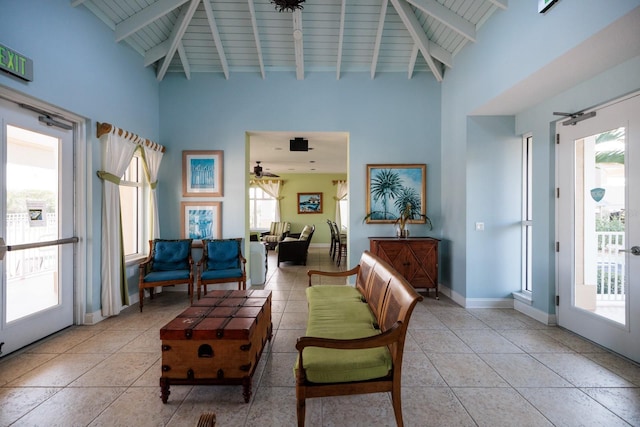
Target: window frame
{"points": [[253, 200], [141, 200], [527, 214]]}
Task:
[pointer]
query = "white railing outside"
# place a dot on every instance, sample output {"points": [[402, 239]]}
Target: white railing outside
{"points": [[611, 266], [28, 262]]}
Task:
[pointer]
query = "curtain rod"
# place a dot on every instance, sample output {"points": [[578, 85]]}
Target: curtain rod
{"points": [[104, 128]]}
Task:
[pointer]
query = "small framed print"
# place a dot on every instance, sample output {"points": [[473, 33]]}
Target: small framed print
{"points": [[201, 220], [309, 203], [202, 173]]}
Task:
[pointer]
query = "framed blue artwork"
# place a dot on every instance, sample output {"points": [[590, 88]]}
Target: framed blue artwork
{"points": [[309, 203], [201, 220], [202, 173], [394, 187]]}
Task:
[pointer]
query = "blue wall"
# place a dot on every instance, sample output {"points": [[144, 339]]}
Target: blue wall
{"points": [[483, 72], [493, 161], [78, 67], [390, 119]]}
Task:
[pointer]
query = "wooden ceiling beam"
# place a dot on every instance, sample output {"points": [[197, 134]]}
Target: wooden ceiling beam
{"points": [[146, 16], [341, 38], [376, 48], [412, 24], [156, 53], [256, 36], [413, 59], [186, 13], [502, 4], [216, 37], [184, 60], [449, 18], [298, 43]]}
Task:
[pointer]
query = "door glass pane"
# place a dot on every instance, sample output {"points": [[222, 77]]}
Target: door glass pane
{"points": [[600, 271], [32, 206]]}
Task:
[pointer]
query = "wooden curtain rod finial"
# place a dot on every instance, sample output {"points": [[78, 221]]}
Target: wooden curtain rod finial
{"points": [[105, 128]]}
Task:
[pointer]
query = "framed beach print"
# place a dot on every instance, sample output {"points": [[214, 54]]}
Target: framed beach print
{"points": [[201, 220], [309, 203], [202, 173], [391, 188]]}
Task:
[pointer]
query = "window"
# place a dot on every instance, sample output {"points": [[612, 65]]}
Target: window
{"points": [[527, 211], [262, 209], [132, 207]]}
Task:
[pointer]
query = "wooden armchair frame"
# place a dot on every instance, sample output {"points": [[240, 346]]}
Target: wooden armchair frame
{"points": [[147, 267], [392, 300], [201, 268]]}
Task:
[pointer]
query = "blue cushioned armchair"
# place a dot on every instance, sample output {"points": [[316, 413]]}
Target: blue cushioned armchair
{"points": [[169, 263], [222, 262]]}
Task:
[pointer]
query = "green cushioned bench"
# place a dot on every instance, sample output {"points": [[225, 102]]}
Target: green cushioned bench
{"points": [[355, 335]]}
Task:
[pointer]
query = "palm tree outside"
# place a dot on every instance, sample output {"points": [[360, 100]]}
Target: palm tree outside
{"points": [[384, 186]]}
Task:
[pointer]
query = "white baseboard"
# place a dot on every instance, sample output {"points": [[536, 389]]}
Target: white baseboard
{"points": [[476, 302], [489, 303], [93, 318], [540, 316]]}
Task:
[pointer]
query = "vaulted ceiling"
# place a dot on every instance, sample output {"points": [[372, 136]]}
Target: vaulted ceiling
{"points": [[340, 36]]}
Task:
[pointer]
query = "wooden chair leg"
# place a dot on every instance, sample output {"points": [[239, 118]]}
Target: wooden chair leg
{"points": [[141, 298], [300, 411], [396, 399]]}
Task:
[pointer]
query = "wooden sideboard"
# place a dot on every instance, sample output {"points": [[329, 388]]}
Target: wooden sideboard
{"points": [[416, 258]]}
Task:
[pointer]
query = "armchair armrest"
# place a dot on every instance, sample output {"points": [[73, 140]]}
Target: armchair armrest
{"points": [[390, 336], [145, 265]]}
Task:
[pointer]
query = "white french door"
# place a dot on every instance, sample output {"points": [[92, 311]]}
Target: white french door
{"points": [[37, 208], [598, 226]]}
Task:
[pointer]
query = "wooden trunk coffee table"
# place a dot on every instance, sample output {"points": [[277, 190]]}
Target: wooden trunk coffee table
{"points": [[216, 341]]}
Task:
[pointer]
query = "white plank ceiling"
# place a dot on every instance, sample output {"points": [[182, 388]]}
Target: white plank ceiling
{"points": [[340, 36]]}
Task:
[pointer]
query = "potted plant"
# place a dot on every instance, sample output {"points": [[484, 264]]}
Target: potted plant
{"points": [[406, 214]]}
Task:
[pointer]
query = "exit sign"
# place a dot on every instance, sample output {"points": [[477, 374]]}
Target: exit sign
{"points": [[15, 63], [544, 5]]}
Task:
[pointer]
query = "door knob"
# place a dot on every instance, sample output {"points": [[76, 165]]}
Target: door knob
{"points": [[635, 250]]}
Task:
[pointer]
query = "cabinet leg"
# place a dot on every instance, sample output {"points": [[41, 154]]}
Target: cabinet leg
{"points": [[164, 389]]}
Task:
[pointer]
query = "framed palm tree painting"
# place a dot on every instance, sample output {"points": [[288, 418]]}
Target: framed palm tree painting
{"points": [[394, 190]]}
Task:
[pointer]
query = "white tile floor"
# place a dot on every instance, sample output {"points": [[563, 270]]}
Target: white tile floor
{"points": [[477, 367]]}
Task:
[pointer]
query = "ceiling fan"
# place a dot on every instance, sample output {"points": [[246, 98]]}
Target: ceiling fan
{"points": [[259, 173]]}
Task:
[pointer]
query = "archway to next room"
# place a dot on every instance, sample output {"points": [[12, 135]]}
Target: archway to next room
{"points": [[301, 166]]}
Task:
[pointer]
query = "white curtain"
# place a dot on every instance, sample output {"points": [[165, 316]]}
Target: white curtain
{"points": [[342, 189], [118, 147], [273, 189], [152, 157]]}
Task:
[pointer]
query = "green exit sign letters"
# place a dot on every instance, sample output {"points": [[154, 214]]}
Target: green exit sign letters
{"points": [[15, 63]]}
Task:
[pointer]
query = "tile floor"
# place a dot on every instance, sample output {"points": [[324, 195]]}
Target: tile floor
{"points": [[484, 367]]}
